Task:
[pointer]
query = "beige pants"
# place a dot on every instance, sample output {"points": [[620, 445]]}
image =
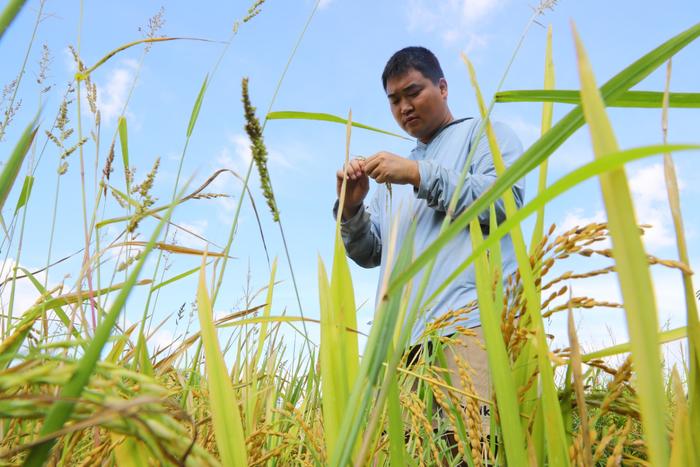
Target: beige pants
{"points": [[470, 350], [468, 370]]}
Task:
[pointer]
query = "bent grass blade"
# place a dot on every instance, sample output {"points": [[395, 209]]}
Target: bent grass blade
{"points": [[631, 266], [324, 117]]}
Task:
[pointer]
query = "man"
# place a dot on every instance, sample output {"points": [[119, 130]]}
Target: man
{"points": [[422, 186]]}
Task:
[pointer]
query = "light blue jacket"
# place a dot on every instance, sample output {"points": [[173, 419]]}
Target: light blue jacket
{"points": [[440, 163]]}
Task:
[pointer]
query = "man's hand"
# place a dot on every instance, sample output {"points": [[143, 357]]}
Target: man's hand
{"points": [[357, 186], [385, 167]]}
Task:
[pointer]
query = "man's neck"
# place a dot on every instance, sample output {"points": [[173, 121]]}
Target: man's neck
{"points": [[445, 121]]}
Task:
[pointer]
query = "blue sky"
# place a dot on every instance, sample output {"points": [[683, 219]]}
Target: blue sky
{"points": [[337, 67]]}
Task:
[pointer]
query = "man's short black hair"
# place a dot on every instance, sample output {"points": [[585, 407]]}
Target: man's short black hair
{"points": [[418, 58]]}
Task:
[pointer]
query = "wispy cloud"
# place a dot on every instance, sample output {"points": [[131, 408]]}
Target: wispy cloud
{"points": [[25, 294], [187, 236], [577, 218], [112, 94], [237, 156], [457, 20], [648, 188]]}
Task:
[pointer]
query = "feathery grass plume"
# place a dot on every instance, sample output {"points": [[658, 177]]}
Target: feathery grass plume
{"points": [[108, 169], [257, 147], [253, 11], [155, 24], [44, 67], [143, 189], [89, 85], [64, 133], [10, 109]]}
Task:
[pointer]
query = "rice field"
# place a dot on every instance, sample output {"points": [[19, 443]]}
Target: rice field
{"points": [[80, 384]]}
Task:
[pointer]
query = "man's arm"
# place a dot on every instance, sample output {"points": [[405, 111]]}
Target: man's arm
{"points": [[361, 235], [359, 227], [438, 183]]}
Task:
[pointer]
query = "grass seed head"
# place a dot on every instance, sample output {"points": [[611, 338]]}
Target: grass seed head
{"points": [[258, 149]]}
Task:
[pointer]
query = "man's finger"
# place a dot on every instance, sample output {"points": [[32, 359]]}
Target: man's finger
{"points": [[356, 167], [374, 173], [371, 163]]}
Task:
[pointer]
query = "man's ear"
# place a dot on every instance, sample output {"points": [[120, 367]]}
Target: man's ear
{"points": [[442, 84]]}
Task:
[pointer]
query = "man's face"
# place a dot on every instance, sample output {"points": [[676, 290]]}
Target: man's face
{"points": [[418, 105]]}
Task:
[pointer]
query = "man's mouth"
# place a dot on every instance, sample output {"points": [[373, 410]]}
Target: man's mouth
{"points": [[410, 120]]}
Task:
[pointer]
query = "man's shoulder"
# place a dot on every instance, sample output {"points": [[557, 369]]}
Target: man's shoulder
{"points": [[471, 127]]}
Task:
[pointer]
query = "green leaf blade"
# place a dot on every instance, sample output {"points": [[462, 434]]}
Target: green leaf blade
{"points": [[226, 415], [632, 267], [324, 117]]}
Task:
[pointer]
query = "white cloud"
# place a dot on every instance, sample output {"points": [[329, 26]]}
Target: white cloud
{"points": [[162, 339], [577, 218], [236, 157], [112, 95], [474, 11], [527, 131], [241, 156], [69, 61], [459, 19], [186, 239], [648, 188], [25, 294], [601, 327], [324, 4]]}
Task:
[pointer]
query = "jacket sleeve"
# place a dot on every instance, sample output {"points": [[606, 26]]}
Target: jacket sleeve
{"points": [[438, 183], [361, 235]]}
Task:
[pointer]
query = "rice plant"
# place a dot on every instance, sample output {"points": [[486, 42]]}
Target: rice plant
{"points": [[82, 385]]}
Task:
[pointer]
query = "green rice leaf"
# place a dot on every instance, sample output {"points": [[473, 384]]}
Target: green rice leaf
{"points": [[636, 99], [144, 361], [554, 425], [226, 415], [25, 193], [149, 40], [333, 384], [57, 308], [176, 278], [663, 338], [547, 112], [632, 268], [11, 168], [124, 141], [130, 451], [397, 444], [674, 201], [499, 365], [378, 352], [266, 313], [683, 447], [197, 106], [9, 13], [324, 117]]}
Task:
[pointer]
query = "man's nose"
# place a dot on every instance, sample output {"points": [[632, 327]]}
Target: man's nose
{"points": [[406, 107]]}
